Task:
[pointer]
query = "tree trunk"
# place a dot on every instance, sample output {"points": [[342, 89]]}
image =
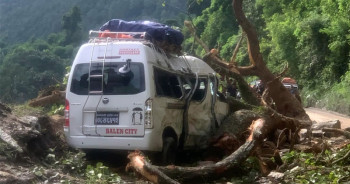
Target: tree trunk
{"points": [[286, 103], [186, 174], [55, 97], [286, 113]]}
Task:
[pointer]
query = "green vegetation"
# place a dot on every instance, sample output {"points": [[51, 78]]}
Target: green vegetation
{"points": [[311, 36], [38, 40], [25, 110], [36, 64], [20, 19], [327, 167], [75, 164], [101, 174]]}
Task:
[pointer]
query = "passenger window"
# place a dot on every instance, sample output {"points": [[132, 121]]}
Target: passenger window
{"points": [[80, 80], [167, 84], [201, 89]]}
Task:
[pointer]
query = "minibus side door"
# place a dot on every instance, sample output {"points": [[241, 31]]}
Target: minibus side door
{"points": [[200, 117], [168, 104]]}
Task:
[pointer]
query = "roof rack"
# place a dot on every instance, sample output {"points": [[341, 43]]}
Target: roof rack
{"points": [[125, 36]]}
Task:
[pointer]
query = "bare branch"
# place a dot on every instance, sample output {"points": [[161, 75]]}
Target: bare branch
{"points": [[284, 71], [191, 28], [234, 55], [253, 42], [347, 155]]}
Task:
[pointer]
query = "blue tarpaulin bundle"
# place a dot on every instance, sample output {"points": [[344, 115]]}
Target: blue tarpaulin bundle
{"points": [[155, 31]]}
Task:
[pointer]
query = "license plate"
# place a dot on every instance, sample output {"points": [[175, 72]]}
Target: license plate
{"points": [[107, 118]]}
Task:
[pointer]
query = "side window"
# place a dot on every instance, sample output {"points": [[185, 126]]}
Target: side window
{"points": [[167, 84], [80, 80], [201, 89]]}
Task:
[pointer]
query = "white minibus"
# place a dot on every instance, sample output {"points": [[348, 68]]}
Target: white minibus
{"points": [[124, 93]]}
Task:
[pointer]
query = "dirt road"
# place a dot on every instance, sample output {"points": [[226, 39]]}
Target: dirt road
{"points": [[320, 115]]}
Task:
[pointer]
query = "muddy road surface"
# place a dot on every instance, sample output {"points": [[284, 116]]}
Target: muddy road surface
{"points": [[320, 115]]}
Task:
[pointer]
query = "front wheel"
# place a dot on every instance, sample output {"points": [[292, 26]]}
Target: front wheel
{"points": [[169, 151]]}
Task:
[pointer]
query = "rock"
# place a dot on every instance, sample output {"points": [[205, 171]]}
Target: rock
{"points": [[317, 133], [10, 174], [327, 124], [347, 129], [10, 141], [32, 121], [303, 134], [277, 176], [303, 148], [264, 180], [296, 169]]}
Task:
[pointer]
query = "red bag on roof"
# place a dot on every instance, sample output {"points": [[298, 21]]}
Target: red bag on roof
{"points": [[288, 80]]}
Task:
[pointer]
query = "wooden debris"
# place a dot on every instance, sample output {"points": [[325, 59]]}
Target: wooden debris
{"points": [[338, 131], [55, 97]]}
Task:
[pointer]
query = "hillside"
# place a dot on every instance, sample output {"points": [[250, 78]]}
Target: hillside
{"points": [[21, 19], [311, 38]]}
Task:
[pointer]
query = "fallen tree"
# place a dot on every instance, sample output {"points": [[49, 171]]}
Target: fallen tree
{"points": [[282, 111]]}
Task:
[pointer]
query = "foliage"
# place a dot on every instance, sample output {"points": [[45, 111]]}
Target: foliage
{"points": [[21, 19], [71, 27], [31, 66], [25, 110], [214, 26], [101, 174], [28, 68], [7, 151], [339, 99], [56, 109], [250, 172], [312, 37], [317, 169], [75, 164]]}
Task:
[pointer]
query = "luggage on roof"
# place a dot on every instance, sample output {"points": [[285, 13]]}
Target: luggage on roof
{"points": [[288, 80]]}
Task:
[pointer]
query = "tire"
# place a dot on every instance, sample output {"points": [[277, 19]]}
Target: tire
{"points": [[169, 151]]}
